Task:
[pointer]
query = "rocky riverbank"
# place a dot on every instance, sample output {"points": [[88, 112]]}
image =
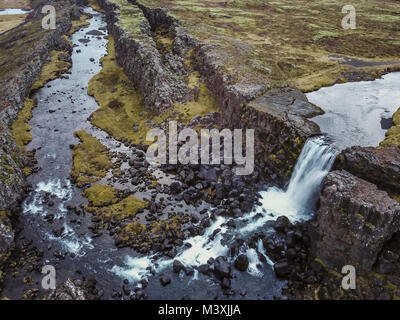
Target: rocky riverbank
{"points": [[26, 70]]}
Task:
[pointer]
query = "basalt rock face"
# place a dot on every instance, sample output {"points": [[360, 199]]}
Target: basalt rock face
{"points": [[378, 165], [160, 77], [279, 116], [280, 120], [353, 222]]}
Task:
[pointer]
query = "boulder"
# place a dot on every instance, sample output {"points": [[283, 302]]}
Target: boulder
{"points": [[353, 222], [241, 263], [378, 165]]}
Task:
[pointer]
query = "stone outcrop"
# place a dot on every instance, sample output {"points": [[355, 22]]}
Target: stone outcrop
{"points": [[160, 77], [378, 165], [353, 222], [278, 116]]}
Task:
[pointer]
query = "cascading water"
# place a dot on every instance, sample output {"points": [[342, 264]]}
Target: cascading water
{"points": [[313, 165], [296, 202]]}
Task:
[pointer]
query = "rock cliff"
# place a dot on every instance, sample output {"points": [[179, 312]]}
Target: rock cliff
{"points": [[353, 222]]}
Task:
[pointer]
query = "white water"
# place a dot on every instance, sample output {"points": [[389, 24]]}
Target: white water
{"points": [[296, 202], [13, 11]]}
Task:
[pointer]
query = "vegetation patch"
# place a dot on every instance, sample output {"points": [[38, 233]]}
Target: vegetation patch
{"points": [[51, 70], [100, 195], [117, 212], [288, 42], [91, 160], [392, 138], [20, 129], [8, 22]]}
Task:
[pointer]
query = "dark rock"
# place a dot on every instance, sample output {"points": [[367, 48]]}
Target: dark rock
{"points": [[241, 263], [165, 280]]}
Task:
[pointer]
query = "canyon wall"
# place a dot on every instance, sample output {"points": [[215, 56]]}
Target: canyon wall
{"points": [[278, 116]]}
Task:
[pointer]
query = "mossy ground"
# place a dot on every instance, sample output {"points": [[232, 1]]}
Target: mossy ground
{"points": [[20, 129], [8, 22], [288, 42], [21, 4], [121, 113], [392, 138], [100, 195], [91, 160], [95, 5], [52, 69], [78, 24], [117, 212]]}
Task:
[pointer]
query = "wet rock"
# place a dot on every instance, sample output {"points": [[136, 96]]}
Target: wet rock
{"points": [[241, 263], [281, 223], [177, 266], [204, 268], [165, 280], [353, 222], [222, 269], [282, 269]]}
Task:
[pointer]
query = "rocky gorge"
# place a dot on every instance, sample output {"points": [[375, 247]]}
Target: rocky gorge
{"points": [[156, 70]]}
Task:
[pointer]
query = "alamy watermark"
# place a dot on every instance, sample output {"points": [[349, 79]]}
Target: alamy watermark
{"points": [[49, 21], [349, 278], [196, 149], [49, 280], [349, 20]]}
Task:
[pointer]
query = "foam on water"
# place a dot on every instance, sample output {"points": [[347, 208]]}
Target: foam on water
{"points": [[13, 11], [296, 202]]}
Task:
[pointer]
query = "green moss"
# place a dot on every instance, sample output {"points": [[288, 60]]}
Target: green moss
{"points": [[95, 5], [100, 195], [120, 103], [370, 225], [4, 214], [126, 208], [52, 69], [359, 216], [91, 160], [203, 104], [293, 43], [27, 171], [78, 24], [392, 138], [20, 129]]}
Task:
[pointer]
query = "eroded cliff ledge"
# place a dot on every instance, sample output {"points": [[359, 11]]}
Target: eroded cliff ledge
{"points": [[354, 221], [159, 67]]}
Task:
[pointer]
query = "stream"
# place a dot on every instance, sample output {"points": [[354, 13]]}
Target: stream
{"points": [[66, 243]]}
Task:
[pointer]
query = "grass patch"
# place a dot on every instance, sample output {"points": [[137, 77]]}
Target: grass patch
{"points": [[91, 160], [8, 22], [52, 69], [291, 38], [17, 4], [100, 195], [20, 129], [126, 208], [392, 138]]}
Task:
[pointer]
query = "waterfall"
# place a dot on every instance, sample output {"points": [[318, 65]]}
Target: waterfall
{"points": [[296, 202], [314, 163]]}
